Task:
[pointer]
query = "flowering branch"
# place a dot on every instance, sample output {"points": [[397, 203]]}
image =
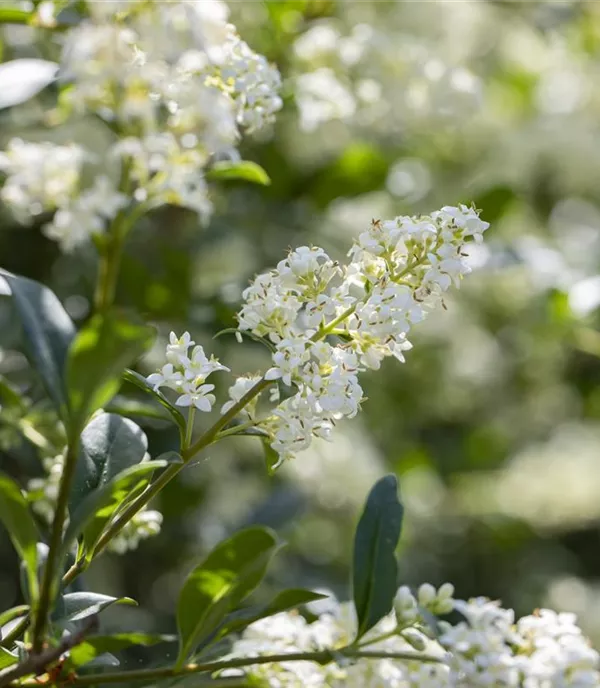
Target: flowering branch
{"points": [[320, 657]]}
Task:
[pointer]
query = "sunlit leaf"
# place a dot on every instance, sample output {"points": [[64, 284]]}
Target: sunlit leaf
{"points": [[80, 605], [228, 574], [244, 170], [96, 361], [237, 621], [15, 516], [95, 646]]}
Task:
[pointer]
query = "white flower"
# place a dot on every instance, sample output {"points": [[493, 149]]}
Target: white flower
{"points": [[187, 374], [197, 395], [398, 271], [39, 176], [167, 377], [84, 216], [177, 348], [145, 524], [241, 386]]}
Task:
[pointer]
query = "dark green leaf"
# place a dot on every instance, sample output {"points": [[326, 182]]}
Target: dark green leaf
{"points": [[96, 361], [228, 574], [94, 646], [244, 170], [48, 332], [96, 510], [140, 382], [20, 525], [80, 605], [7, 658], [109, 444], [375, 570], [288, 599], [22, 79]]}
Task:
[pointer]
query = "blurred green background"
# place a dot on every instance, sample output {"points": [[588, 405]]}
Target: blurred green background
{"points": [[493, 424]]}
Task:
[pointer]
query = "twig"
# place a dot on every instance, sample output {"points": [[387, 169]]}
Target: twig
{"points": [[37, 664]]}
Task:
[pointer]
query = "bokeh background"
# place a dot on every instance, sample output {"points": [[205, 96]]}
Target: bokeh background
{"points": [[493, 424]]}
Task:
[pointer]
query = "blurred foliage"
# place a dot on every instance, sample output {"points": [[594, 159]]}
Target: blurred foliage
{"points": [[493, 424]]}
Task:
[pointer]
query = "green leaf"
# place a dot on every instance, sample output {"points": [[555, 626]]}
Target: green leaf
{"points": [[140, 382], [97, 509], [10, 396], [96, 360], [94, 646], [228, 574], [20, 525], [81, 605], [22, 79], [12, 614], [375, 570], [288, 599], [7, 658], [48, 332], [272, 458], [109, 444], [244, 170]]}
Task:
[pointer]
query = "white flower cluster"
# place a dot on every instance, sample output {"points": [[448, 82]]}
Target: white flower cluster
{"points": [[327, 322], [43, 493], [176, 66], [146, 523], [44, 177], [543, 650], [178, 86], [187, 374]]}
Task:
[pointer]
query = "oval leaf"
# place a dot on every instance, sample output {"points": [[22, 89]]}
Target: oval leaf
{"points": [[228, 574], [20, 525], [79, 605], [109, 444], [96, 360], [98, 645], [48, 332], [97, 509], [22, 79], [288, 599], [141, 383], [244, 170], [375, 569]]}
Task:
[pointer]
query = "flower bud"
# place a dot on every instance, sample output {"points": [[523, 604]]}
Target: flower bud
{"points": [[426, 594], [445, 591], [414, 639], [404, 599]]}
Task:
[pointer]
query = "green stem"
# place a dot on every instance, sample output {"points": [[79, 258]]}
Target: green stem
{"points": [[110, 260], [169, 473], [324, 331], [189, 430], [41, 611], [379, 638], [236, 429], [320, 657]]}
